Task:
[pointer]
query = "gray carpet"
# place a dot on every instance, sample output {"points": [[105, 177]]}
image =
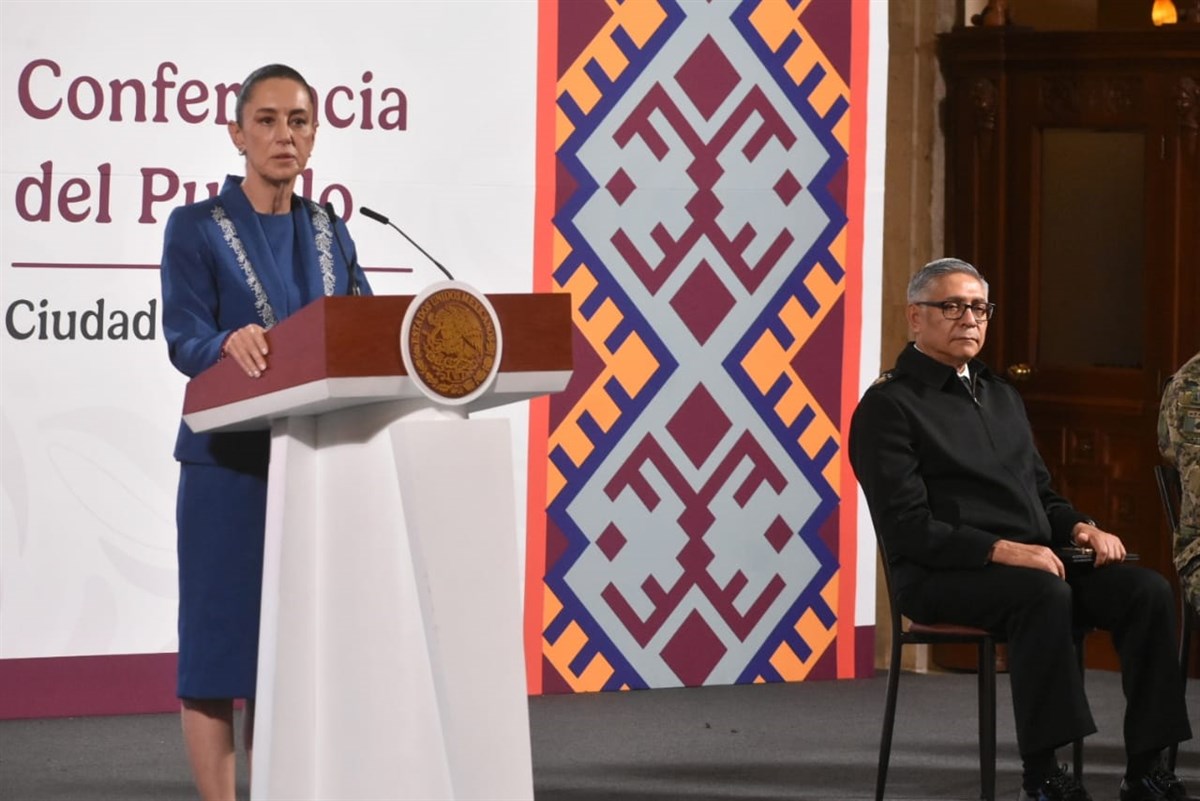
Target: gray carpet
{"points": [[815, 741]]}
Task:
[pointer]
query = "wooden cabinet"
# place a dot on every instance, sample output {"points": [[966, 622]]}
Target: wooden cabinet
{"points": [[1073, 183]]}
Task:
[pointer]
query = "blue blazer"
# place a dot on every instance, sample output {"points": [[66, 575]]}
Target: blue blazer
{"points": [[219, 274]]}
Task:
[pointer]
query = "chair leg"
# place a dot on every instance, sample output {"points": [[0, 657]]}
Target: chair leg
{"points": [[889, 719], [987, 719], [1077, 746], [1185, 647]]}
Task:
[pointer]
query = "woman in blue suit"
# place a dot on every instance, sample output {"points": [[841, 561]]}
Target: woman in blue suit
{"points": [[232, 267]]}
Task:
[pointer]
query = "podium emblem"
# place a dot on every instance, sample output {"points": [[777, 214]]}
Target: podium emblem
{"points": [[450, 342]]}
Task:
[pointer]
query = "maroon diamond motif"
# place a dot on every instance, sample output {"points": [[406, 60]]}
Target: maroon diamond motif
{"points": [[693, 651], [698, 425], [695, 557], [611, 542], [829, 26], [818, 360], [620, 186], [702, 302], [779, 534], [707, 77], [787, 187]]}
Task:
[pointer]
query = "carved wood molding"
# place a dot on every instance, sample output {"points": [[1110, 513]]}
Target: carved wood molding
{"points": [[1187, 105], [1104, 99], [983, 102]]}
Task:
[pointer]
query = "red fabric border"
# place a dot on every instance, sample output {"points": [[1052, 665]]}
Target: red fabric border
{"points": [[69, 686], [848, 661], [539, 409]]}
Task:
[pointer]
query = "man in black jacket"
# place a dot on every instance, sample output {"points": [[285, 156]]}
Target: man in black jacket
{"points": [[968, 521]]}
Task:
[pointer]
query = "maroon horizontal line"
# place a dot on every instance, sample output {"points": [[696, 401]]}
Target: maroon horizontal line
{"points": [[68, 686], [51, 265], [63, 265]]}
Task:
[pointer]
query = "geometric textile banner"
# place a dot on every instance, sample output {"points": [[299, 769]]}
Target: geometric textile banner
{"points": [[700, 521]]}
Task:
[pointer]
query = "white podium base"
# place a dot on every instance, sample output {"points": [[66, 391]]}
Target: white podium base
{"points": [[390, 660]]}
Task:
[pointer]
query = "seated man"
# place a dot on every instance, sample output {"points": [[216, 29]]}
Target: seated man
{"points": [[963, 505], [1179, 441]]}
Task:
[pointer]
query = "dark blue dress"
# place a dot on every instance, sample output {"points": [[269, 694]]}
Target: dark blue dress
{"points": [[224, 266]]}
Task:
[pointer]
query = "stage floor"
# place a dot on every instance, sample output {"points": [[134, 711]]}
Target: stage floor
{"points": [[815, 741]]}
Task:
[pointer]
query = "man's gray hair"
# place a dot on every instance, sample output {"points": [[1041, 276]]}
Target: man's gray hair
{"points": [[935, 270]]}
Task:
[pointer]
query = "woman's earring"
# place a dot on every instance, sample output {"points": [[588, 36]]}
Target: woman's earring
{"points": [[241, 151]]}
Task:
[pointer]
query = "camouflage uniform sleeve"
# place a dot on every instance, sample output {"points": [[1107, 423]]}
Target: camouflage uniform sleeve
{"points": [[1165, 444], [1179, 442]]}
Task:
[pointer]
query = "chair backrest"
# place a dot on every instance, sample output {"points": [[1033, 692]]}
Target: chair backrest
{"points": [[1170, 490], [897, 624]]}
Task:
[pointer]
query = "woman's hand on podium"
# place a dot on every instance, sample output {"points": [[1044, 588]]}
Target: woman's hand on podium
{"points": [[248, 347]]}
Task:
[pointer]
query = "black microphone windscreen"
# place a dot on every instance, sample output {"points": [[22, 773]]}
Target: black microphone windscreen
{"points": [[374, 215]]}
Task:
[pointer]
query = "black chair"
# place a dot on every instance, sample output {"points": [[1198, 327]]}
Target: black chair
{"points": [[1171, 491], [909, 633]]}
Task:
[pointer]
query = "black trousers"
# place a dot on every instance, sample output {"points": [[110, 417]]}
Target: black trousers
{"points": [[1037, 611]]}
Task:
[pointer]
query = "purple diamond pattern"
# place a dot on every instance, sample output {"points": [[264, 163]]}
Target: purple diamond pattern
{"points": [[693, 651], [787, 187], [620, 186], [611, 542], [702, 302], [707, 77], [698, 425], [779, 533]]}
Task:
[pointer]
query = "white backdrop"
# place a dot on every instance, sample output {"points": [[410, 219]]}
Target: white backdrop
{"points": [[87, 549]]}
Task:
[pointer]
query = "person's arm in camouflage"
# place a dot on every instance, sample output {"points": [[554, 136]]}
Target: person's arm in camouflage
{"points": [[1179, 443]]}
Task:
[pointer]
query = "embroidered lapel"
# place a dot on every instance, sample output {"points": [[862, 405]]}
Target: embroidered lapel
{"points": [[318, 226], [266, 313], [310, 218]]}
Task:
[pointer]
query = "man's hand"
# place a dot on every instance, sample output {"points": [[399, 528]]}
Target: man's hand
{"points": [[1020, 554], [1108, 547]]}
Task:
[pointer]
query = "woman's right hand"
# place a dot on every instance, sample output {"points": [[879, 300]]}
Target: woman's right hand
{"points": [[248, 347]]}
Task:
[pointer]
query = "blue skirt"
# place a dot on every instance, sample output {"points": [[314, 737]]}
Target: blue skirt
{"points": [[221, 517]]}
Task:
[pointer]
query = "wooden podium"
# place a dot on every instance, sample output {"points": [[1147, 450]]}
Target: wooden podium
{"points": [[390, 648]]}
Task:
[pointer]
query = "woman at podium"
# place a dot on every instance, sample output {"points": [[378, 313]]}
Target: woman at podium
{"points": [[232, 267]]}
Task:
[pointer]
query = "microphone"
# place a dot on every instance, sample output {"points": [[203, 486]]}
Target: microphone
{"points": [[351, 266], [379, 218]]}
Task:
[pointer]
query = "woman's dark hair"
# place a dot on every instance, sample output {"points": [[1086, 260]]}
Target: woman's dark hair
{"points": [[265, 73]]}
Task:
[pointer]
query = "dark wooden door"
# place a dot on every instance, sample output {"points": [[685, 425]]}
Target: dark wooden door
{"points": [[1072, 183]]}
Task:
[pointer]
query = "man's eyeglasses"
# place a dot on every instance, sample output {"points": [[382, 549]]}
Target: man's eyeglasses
{"points": [[955, 309]]}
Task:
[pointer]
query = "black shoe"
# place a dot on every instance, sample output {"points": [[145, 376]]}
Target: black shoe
{"points": [[1159, 784], [1060, 787]]}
